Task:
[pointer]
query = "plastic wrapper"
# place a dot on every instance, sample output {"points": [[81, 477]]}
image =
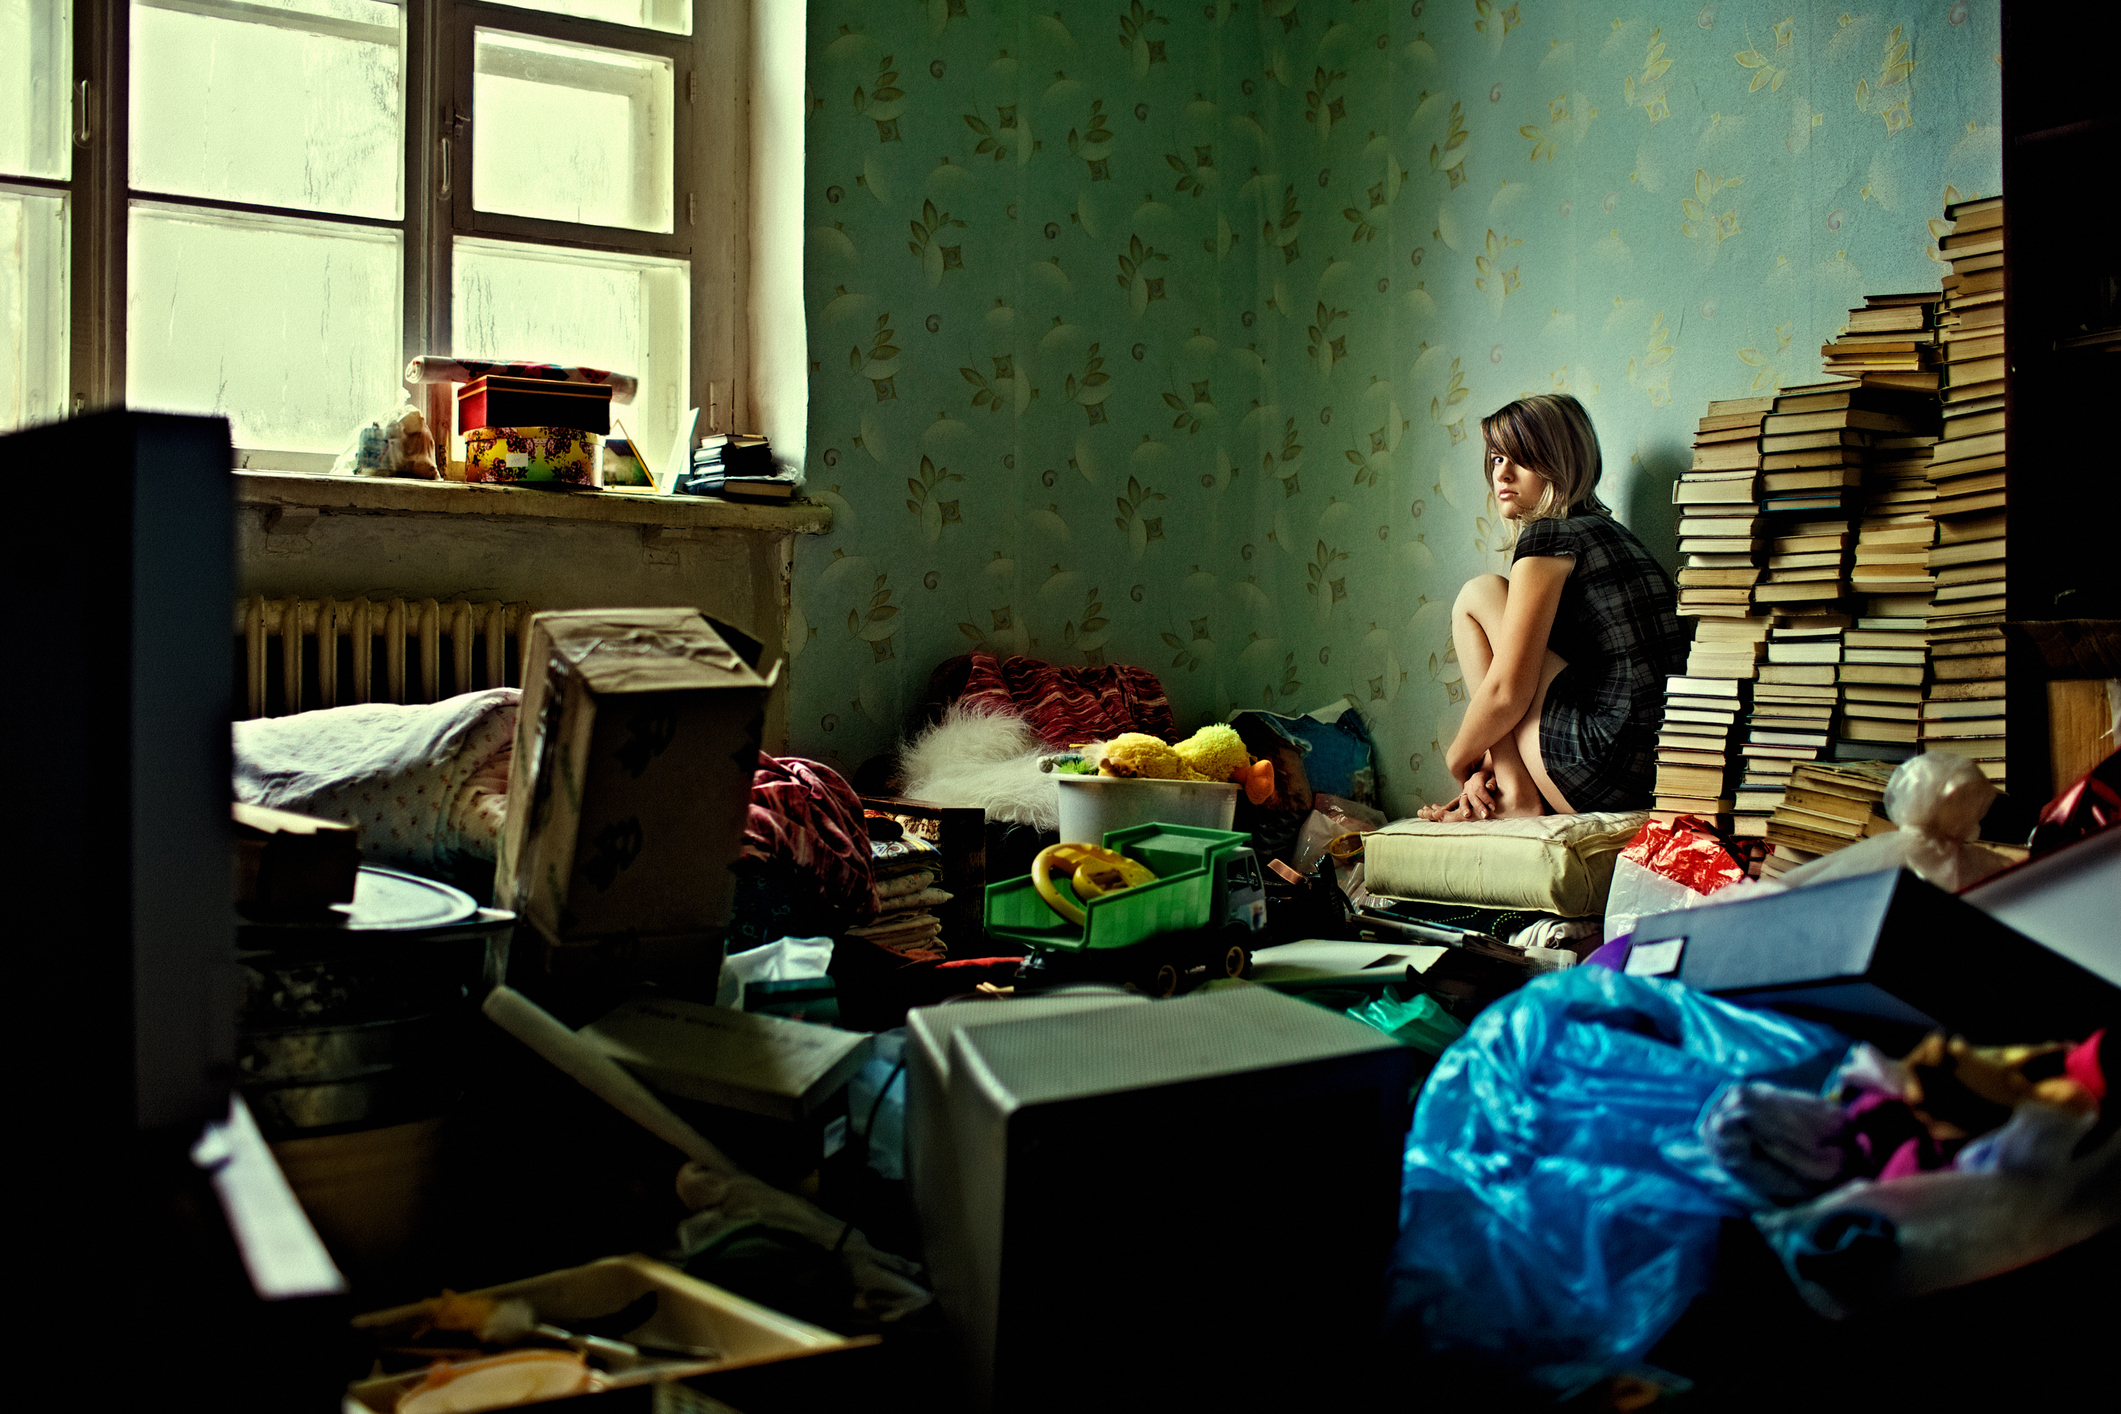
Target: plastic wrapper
{"points": [[876, 1103], [1330, 818], [1670, 864], [1937, 799], [1418, 1021], [1559, 1211], [397, 445]]}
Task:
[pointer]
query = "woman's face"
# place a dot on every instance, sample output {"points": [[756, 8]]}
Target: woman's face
{"points": [[1518, 490]]}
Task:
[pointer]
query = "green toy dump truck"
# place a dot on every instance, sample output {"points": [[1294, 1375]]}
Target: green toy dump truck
{"points": [[1204, 907]]}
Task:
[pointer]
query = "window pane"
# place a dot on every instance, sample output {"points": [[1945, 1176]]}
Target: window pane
{"points": [[33, 308], [571, 133], [36, 94], [293, 104], [670, 16], [620, 313], [292, 329]]}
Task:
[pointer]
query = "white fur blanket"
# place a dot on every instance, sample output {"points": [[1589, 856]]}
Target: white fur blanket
{"points": [[984, 759]]}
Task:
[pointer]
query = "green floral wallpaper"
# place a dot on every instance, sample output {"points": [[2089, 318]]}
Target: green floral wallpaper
{"points": [[1161, 333]]}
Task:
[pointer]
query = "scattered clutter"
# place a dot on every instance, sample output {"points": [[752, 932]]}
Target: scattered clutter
{"points": [[608, 1325], [401, 444], [1899, 1089]]}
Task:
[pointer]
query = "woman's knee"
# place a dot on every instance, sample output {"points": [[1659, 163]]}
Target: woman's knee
{"points": [[1482, 594]]}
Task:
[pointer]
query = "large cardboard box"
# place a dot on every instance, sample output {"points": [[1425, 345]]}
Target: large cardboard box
{"points": [[1885, 957], [634, 755]]}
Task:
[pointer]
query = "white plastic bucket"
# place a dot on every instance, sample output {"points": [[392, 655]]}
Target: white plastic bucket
{"points": [[1091, 805]]}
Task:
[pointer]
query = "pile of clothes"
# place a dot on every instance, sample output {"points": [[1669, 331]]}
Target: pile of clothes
{"points": [[907, 870]]}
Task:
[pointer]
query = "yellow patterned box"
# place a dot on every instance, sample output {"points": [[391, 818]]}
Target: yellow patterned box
{"points": [[539, 456]]}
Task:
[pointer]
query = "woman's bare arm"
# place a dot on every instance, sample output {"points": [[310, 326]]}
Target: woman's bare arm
{"points": [[1520, 648]]}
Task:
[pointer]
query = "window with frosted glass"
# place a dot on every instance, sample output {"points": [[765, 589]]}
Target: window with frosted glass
{"points": [[670, 16], [621, 313], [291, 329], [571, 132], [36, 100], [33, 306], [292, 103]]}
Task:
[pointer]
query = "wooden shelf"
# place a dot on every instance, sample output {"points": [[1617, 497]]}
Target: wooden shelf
{"points": [[371, 495]]}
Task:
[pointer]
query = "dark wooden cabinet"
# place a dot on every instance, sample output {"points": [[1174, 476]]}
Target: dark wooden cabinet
{"points": [[2061, 132]]}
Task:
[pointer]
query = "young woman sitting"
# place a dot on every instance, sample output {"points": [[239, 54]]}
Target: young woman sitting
{"points": [[1565, 660]]}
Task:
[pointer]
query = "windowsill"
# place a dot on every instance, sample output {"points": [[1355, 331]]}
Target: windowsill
{"points": [[374, 495]]}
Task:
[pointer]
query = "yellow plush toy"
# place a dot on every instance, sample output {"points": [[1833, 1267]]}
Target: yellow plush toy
{"points": [[1214, 753], [1139, 756]]}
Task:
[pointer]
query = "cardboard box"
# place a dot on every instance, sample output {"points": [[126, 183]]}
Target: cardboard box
{"points": [[688, 1313], [720, 1056], [634, 755], [292, 864], [497, 401], [1885, 957]]}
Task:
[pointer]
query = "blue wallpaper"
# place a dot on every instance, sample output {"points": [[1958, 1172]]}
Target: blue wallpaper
{"points": [[1161, 333]]}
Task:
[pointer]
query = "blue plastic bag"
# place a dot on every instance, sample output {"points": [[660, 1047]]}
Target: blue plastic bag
{"points": [[1558, 1211]]}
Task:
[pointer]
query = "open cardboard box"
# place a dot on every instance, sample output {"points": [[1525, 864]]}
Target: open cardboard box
{"points": [[691, 1314]]}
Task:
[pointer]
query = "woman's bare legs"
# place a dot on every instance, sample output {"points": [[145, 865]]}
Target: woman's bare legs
{"points": [[1513, 763]]}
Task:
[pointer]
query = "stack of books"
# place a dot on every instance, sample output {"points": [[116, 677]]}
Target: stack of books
{"points": [[1719, 511], [1891, 342], [1883, 663], [1695, 763], [1964, 710], [738, 465], [1792, 717], [1827, 806]]}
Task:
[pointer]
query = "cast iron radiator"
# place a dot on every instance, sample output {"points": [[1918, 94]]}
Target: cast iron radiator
{"points": [[299, 653]]}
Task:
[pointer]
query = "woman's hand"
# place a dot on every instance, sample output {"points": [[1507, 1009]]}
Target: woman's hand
{"points": [[1481, 794]]}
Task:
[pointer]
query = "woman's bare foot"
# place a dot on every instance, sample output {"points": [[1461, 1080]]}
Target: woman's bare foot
{"points": [[1451, 814]]}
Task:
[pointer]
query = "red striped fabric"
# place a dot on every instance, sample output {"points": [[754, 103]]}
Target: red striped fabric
{"points": [[1070, 706]]}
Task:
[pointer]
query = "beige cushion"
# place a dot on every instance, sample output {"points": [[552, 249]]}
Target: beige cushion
{"points": [[1553, 863]]}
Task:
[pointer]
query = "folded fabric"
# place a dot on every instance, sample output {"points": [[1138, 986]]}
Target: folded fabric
{"points": [[1560, 864], [432, 369], [900, 886], [915, 903], [896, 926], [425, 787]]}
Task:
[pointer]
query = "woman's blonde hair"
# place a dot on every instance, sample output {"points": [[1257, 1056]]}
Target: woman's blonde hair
{"points": [[1551, 434]]}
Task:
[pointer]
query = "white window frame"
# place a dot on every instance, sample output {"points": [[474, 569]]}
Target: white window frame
{"points": [[710, 190]]}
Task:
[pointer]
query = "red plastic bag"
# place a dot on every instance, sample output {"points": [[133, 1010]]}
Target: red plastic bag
{"points": [[1670, 864]]}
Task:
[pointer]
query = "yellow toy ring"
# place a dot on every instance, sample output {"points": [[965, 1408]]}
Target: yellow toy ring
{"points": [[1096, 870], [1346, 845]]}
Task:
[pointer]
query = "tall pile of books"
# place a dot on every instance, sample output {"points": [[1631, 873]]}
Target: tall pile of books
{"points": [[1964, 708], [1828, 806], [1841, 548], [1719, 524], [1889, 343], [1792, 719], [1719, 511]]}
